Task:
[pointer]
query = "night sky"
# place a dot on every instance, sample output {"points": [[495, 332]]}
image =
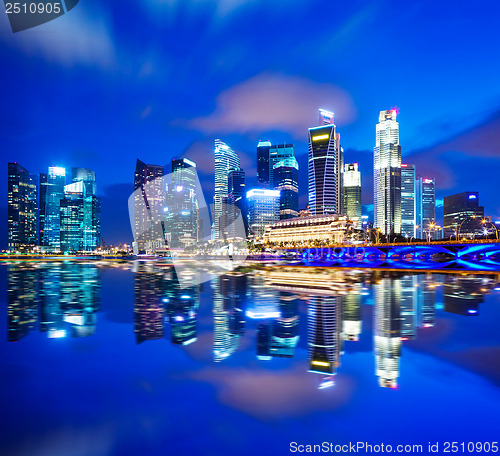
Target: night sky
{"points": [[113, 81]]}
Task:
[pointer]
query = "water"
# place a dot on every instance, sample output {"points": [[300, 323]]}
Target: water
{"points": [[120, 359]]}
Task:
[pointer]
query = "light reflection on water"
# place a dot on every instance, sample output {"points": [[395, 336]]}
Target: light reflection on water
{"points": [[269, 340]]}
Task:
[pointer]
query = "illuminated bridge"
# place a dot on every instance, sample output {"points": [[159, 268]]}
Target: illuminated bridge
{"points": [[475, 255]]}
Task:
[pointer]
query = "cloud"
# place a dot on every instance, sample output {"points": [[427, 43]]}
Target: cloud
{"points": [[274, 102], [78, 37]]}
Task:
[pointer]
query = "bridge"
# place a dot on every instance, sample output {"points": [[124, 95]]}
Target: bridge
{"points": [[481, 255]]}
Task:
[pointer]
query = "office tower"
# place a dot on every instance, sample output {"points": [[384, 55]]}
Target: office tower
{"points": [[43, 186], [351, 314], [149, 310], [352, 193], [425, 207], [387, 174], [225, 160], [387, 333], [148, 207], [22, 209], [324, 334], [408, 201], [181, 205], [87, 176], [462, 215], [278, 153], [236, 201], [22, 300], [71, 218], [286, 180], [325, 168], [263, 163], [53, 194], [263, 210], [184, 173]]}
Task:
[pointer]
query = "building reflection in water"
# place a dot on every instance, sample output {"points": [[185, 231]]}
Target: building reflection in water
{"points": [[61, 299]]}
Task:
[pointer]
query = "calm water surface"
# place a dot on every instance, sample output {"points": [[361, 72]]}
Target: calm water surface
{"points": [[125, 359]]}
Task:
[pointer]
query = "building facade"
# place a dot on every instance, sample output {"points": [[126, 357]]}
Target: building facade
{"points": [[325, 168], [408, 201], [263, 210], [52, 196], [462, 215], [263, 163], [22, 209], [387, 174], [352, 193], [286, 180], [425, 208]]}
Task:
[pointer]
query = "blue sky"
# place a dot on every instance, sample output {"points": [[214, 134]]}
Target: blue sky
{"points": [[113, 81]]}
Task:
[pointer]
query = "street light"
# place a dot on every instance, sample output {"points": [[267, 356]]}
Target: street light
{"points": [[463, 221], [485, 222]]}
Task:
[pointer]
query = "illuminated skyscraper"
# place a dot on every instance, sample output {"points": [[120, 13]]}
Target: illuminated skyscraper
{"points": [[263, 163], [236, 202], [408, 201], [87, 176], [225, 160], [286, 180], [387, 334], [54, 193], [278, 153], [72, 214], [387, 174], [352, 193], [184, 173], [148, 207], [325, 164], [425, 207], [22, 208], [263, 210], [462, 215]]}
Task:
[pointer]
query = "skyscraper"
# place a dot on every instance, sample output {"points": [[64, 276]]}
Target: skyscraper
{"points": [[71, 217], [87, 176], [22, 208], [352, 193], [286, 180], [184, 173], [325, 168], [54, 193], [387, 174], [148, 207], [425, 207], [236, 200], [225, 160], [408, 201], [462, 215], [263, 210], [278, 153], [263, 163]]}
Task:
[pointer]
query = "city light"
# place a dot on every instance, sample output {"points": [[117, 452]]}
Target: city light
{"points": [[317, 138]]}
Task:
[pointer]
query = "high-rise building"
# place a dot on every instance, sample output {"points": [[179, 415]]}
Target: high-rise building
{"points": [[53, 194], [387, 174], [352, 193], [43, 186], [263, 163], [71, 217], [148, 207], [263, 210], [22, 209], [181, 205], [236, 200], [286, 180], [425, 207], [462, 215], [408, 201], [87, 176], [325, 168], [278, 153], [225, 160]]}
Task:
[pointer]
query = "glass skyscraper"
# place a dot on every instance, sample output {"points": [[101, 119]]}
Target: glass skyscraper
{"points": [[425, 207], [22, 209], [263, 210], [325, 168], [387, 174], [286, 180], [52, 196], [225, 161], [352, 193], [263, 163], [408, 201], [462, 215]]}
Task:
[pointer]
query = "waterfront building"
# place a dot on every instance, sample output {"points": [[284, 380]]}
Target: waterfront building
{"points": [[325, 165], [462, 215], [148, 207], [408, 201], [263, 163], [71, 218], [426, 208], [225, 161], [52, 196], [278, 153], [387, 174], [263, 210], [22, 210], [316, 229], [352, 193], [286, 180]]}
